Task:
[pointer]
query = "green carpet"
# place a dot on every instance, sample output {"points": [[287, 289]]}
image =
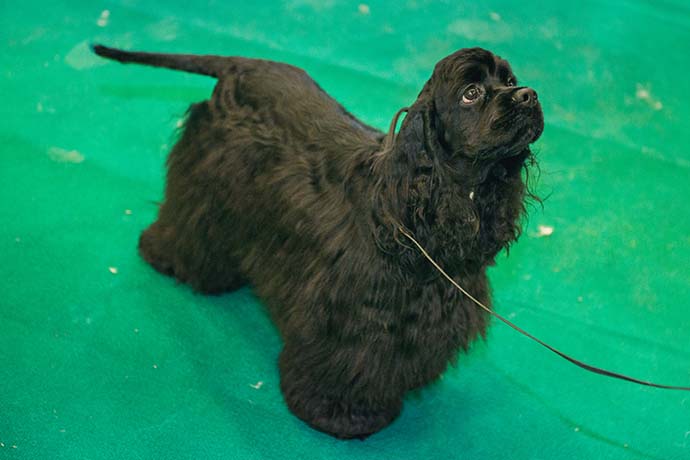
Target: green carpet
{"points": [[103, 358]]}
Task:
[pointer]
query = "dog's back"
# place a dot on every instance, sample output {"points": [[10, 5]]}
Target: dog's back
{"points": [[258, 171], [283, 94]]}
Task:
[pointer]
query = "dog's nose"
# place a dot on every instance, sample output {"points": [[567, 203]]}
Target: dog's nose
{"points": [[525, 96]]}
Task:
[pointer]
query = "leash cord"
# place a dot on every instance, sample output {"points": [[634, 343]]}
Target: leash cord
{"points": [[577, 362]]}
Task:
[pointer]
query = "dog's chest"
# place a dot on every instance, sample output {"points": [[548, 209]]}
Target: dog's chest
{"points": [[475, 223]]}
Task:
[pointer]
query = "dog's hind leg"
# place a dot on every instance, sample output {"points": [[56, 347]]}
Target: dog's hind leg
{"points": [[193, 237], [196, 264]]}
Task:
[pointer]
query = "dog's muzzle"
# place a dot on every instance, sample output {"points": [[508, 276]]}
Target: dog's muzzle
{"points": [[525, 97], [526, 101]]}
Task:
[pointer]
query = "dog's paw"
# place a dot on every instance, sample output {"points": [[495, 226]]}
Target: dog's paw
{"points": [[317, 395], [153, 249], [352, 421], [343, 420]]}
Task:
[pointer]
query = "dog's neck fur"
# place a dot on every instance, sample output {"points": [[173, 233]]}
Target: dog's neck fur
{"points": [[462, 210]]}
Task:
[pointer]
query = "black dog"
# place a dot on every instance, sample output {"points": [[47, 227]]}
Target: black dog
{"points": [[274, 183]]}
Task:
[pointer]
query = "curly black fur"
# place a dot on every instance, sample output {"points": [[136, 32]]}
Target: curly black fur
{"points": [[274, 183]]}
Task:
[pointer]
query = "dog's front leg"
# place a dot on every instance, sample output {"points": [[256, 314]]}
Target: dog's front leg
{"points": [[322, 388]]}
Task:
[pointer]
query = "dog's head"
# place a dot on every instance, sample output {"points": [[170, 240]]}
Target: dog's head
{"points": [[475, 107]]}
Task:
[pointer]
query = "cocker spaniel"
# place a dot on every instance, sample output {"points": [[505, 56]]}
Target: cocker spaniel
{"points": [[273, 183]]}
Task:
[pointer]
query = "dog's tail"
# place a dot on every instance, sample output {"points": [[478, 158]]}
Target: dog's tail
{"points": [[213, 66]]}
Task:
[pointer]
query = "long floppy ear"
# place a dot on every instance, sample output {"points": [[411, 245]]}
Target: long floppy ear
{"points": [[404, 157], [433, 130], [420, 131]]}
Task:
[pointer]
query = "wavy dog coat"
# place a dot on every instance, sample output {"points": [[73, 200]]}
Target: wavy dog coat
{"points": [[275, 184]]}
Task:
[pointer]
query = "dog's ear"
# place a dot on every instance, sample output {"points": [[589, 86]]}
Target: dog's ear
{"points": [[422, 128], [436, 140]]}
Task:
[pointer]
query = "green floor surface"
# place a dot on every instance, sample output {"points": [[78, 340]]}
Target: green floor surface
{"points": [[102, 358]]}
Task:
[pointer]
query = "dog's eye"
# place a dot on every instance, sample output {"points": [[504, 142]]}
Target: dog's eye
{"points": [[471, 94], [510, 82]]}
